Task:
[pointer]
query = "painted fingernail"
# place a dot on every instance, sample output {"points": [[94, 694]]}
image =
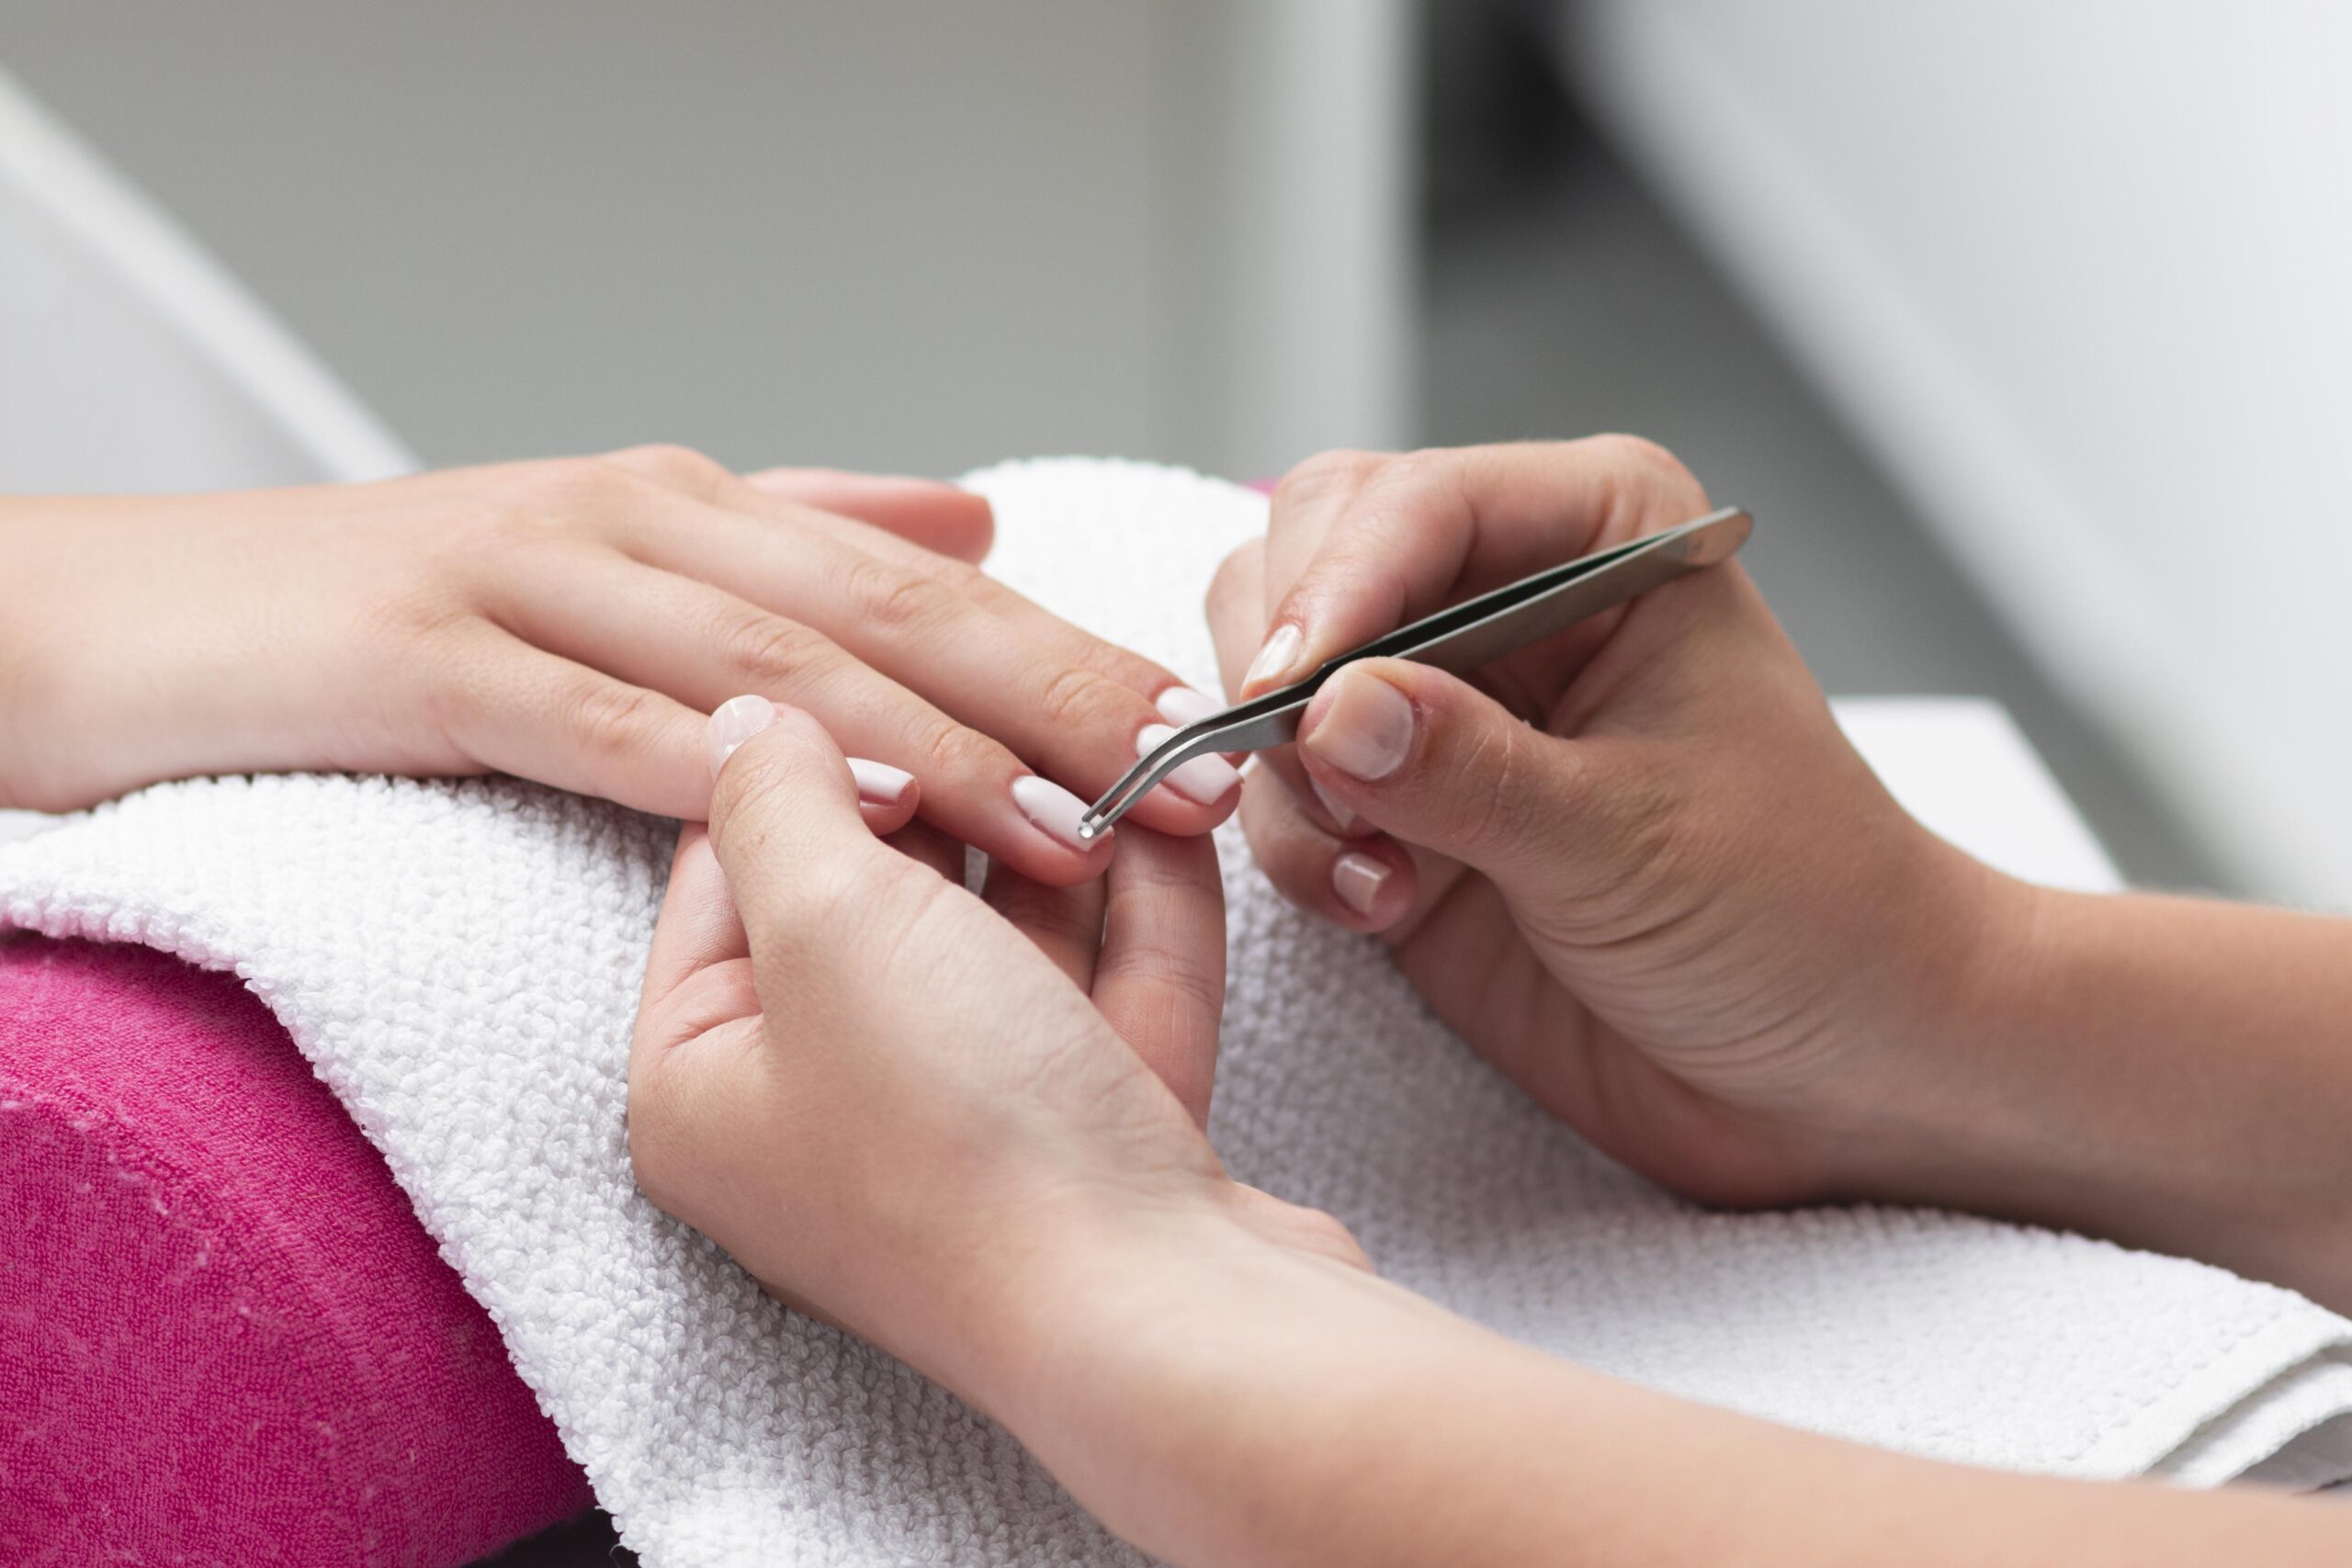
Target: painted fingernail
{"points": [[1357, 879], [1275, 659], [1341, 817], [1204, 781], [733, 722], [1053, 810], [879, 783], [1181, 706], [1367, 731]]}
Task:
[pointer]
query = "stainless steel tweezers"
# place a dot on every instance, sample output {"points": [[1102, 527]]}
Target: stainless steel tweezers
{"points": [[1458, 639]]}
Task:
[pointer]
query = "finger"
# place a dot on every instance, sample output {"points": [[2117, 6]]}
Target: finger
{"points": [[868, 513], [1160, 979], [1065, 923], [513, 709], [1072, 725], [807, 876], [926, 513], [937, 517], [1236, 615], [699, 928], [703, 646], [1388, 541], [1176, 703], [1432, 761], [1363, 884], [698, 1023]]}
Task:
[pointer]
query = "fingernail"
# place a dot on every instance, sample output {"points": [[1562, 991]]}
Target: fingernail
{"points": [[879, 783], [733, 722], [1053, 810], [1275, 659], [1204, 781], [1181, 706], [1366, 730], [1341, 817], [1357, 879]]}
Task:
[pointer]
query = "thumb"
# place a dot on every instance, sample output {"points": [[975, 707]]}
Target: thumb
{"points": [[1436, 763], [784, 820]]}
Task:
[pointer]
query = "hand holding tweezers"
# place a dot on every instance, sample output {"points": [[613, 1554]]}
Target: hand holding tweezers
{"points": [[1457, 639]]}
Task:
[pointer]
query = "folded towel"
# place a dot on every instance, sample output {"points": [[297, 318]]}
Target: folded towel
{"points": [[459, 961]]}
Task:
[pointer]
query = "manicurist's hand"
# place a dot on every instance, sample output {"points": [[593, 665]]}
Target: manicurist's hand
{"points": [[1639, 868], [571, 621], [1636, 865], [969, 1131]]}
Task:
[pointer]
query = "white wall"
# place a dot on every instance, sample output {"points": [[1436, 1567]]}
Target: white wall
{"points": [[2081, 272], [917, 235]]}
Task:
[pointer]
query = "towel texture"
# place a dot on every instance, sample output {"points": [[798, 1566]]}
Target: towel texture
{"points": [[460, 962]]}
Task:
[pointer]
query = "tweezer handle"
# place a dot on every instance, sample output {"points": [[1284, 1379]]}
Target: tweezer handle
{"points": [[1611, 579]]}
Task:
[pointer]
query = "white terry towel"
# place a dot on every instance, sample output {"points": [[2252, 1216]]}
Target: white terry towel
{"points": [[460, 962]]}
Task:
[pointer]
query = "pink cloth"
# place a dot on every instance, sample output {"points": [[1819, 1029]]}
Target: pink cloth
{"points": [[223, 1335]]}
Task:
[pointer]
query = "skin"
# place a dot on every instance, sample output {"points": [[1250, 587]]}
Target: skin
{"points": [[571, 621], [1693, 926]]}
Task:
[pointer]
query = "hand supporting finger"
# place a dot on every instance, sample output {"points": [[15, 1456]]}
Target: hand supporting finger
{"points": [[1160, 976]]}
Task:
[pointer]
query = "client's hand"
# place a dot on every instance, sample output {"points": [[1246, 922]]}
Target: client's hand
{"points": [[1636, 865], [913, 1112], [571, 621]]}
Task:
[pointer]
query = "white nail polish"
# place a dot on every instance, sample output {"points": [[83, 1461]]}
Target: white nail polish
{"points": [[1357, 879], [733, 722], [1276, 656], [1204, 781], [1340, 815], [1181, 706], [1053, 811], [879, 783]]}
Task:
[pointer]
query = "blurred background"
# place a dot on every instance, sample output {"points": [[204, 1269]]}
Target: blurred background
{"points": [[2021, 326]]}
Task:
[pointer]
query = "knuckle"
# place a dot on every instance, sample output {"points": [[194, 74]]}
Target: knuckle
{"points": [[774, 654], [610, 719], [1077, 699], [893, 599], [965, 580], [565, 490], [1649, 470], [953, 751], [1327, 474], [672, 464]]}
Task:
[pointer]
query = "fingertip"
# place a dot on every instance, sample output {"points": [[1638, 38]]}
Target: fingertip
{"points": [[887, 797], [757, 747], [1371, 885]]}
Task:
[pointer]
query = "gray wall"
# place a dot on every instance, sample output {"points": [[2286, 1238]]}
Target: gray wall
{"points": [[902, 235]]}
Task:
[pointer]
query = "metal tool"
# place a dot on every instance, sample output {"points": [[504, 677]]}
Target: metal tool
{"points": [[1458, 639]]}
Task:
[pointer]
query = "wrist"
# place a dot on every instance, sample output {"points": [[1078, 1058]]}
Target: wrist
{"points": [[1155, 1357], [1928, 1100]]}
